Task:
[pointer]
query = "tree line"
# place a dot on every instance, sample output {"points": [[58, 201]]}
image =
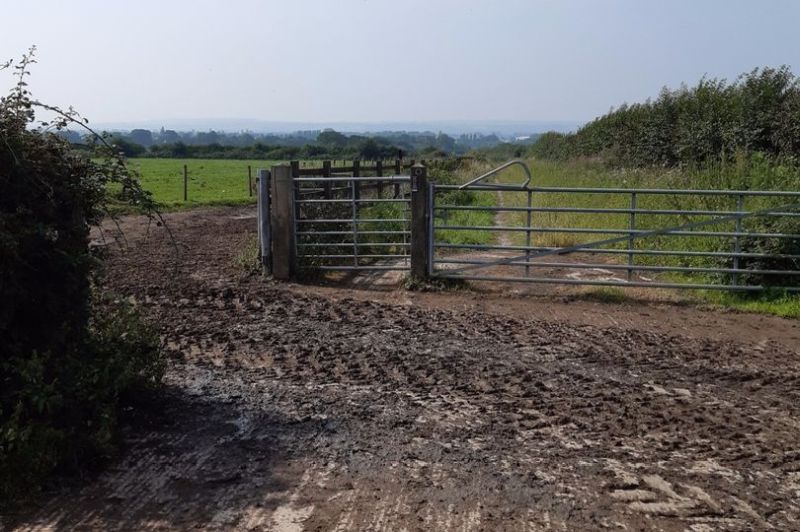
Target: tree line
{"points": [[325, 144], [711, 122]]}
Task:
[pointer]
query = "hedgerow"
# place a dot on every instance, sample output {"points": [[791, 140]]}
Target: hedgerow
{"points": [[63, 367], [710, 122]]}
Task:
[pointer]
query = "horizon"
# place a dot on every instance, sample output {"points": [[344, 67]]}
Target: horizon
{"points": [[473, 61], [241, 125]]}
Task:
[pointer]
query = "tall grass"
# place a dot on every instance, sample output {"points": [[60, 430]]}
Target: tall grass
{"points": [[456, 175], [588, 174], [744, 174]]}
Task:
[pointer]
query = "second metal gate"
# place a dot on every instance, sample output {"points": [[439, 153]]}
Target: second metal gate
{"points": [[702, 239]]}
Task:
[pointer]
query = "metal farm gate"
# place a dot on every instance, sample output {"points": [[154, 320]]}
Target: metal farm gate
{"points": [[346, 218], [356, 223], [669, 238]]}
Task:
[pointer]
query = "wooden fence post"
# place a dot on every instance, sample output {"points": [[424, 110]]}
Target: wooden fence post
{"points": [[282, 221], [249, 181], [185, 183], [326, 172], [419, 222], [264, 221], [379, 173]]}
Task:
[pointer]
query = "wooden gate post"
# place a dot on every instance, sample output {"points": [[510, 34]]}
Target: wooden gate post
{"points": [[282, 219], [326, 172], [419, 222], [264, 221]]}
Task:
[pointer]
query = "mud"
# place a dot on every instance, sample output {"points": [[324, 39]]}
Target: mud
{"points": [[302, 407]]}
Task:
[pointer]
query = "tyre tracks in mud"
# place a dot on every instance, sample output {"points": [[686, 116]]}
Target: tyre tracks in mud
{"points": [[292, 409]]}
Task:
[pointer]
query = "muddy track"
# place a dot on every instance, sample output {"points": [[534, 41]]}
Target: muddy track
{"points": [[304, 408]]}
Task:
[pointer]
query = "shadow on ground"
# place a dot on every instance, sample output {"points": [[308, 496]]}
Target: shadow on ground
{"points": [[208, 461]]}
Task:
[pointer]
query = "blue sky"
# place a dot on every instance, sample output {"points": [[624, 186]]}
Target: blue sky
{"points": [[382, 60]]}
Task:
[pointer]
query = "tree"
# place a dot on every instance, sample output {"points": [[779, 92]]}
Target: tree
{"points": [[169, 136], [141, 136], [445, 142], [128, 148], [330, 137], [370, 149]]}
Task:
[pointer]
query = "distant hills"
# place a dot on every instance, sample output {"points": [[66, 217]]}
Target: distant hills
{"points": [[505, 129]]}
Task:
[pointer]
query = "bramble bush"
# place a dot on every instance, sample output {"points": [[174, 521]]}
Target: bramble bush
{"points": [[63, 365]]}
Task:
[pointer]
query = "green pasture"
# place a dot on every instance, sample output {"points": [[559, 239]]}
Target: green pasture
{"points": [[210, 181]]}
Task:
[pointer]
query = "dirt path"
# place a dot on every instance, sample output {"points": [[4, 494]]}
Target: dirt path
{"points": [[296, 407]]}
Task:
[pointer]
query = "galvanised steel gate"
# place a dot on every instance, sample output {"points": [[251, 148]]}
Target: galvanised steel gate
{"points": [[337, 219], [672, 238], [348, 223]]}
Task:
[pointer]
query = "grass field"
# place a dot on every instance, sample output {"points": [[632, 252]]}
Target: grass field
{"points": [[211, 181]]}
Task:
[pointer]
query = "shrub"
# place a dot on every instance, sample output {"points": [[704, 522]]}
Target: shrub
{"points": [[774, 247], [62, 371]]}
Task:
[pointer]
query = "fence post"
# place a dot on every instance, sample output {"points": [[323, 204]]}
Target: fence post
{"points": [[185, 183], [264, 236], [326, 172], [250, 180], [419, 222], [398, 170], [282, 221], [379, 173]]}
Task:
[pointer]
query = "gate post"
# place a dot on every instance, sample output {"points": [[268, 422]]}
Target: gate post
{"points": [[326, 172], [264, 221], [420, 234], [283, 237]]}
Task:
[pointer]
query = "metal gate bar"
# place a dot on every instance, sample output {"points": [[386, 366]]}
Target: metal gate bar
{"points": [[627, 237], [348, 243], [578, 265], [636, 232], [489, 247], [647, 284], [599, 210], [656, 232]]}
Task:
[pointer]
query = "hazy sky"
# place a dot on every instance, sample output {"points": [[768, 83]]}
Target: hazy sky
{"points": [[381, 60]]}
